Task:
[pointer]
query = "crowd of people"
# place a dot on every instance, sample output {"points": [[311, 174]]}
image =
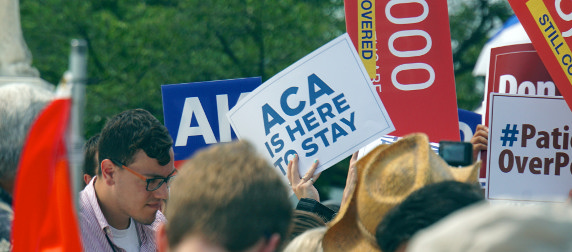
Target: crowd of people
{"points": [[398, 197]]}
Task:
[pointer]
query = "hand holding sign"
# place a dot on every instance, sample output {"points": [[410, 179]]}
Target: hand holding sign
{"points": [[303, 187], [480, 140], [351, 180]]}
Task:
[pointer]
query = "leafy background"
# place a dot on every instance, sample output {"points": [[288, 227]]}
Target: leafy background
{"points": [[135, 46]]}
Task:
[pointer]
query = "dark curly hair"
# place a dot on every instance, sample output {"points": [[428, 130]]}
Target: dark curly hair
{"points": [[90, 165], [133, 130], [422, 209]]}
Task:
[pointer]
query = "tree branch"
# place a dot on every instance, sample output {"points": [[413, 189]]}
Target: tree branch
{"points": [[228, 51]]}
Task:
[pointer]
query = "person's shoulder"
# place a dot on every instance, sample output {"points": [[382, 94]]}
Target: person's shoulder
{"points": [[160, 216], [87, 214], [159, 219], [84, 203], [87, 199]]}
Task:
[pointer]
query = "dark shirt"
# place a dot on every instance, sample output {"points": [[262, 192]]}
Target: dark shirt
{"points": [[6, 217], [313, 206]]}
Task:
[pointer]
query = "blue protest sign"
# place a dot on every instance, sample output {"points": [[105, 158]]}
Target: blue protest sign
{"points": [[468, 122], [195, 113]]}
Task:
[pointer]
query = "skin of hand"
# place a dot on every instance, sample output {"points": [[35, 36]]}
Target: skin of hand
{"points": [[480, 140], [303, 187], [351, 180]]}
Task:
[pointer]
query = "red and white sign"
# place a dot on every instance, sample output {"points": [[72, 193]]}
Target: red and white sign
{"points": [[413, 68], [517, 69], [548, 23]]}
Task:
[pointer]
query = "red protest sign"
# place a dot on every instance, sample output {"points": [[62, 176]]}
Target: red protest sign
{"points": [[547, 23], [405, 46], [518, 69]]}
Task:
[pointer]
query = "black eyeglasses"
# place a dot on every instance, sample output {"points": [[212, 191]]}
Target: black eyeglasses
{"points": [[152, 183]]}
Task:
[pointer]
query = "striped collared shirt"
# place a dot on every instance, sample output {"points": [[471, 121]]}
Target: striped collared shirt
{"points": [[95, 231]]}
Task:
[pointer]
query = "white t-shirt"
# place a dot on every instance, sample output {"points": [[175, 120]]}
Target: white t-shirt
{"points": [[127, 238]]}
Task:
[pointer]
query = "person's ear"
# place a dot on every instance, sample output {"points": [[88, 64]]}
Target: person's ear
{"points": [[108, 170], [161, 237], [86, 178], [272, 244]]}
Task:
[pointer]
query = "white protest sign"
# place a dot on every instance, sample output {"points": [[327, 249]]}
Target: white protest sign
{"points": [[321, 107], [529, 148]]}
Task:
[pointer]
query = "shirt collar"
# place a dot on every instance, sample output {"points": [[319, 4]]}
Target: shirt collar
{"points": [[92, 200]]}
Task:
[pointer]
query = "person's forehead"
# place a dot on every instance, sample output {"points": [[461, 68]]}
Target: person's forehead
{"points": [[145, 165]]}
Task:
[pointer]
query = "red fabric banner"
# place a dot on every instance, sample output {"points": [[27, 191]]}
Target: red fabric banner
{"points": [[44, 213], [548, 23], [411, 63]]}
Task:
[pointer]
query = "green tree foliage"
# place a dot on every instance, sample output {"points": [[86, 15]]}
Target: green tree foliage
{"points": [[471, 25], [137, 45]]}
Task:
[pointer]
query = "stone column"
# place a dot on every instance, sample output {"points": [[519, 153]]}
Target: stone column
{"points": [[15, 57]]}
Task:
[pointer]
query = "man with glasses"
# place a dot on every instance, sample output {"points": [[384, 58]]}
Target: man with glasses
{"points": [[119, 209]]}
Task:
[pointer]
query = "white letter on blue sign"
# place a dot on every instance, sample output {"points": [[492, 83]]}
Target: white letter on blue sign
{"points": [[193, 106], [223, 124], [222, 109]]}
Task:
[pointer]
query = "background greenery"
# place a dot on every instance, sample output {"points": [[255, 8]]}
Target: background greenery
{"points": [[137, 45]]}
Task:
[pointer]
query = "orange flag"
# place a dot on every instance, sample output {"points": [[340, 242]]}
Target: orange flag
{"points": [[45, 216]]}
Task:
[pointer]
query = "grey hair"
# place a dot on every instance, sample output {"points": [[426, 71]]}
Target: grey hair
{"points": [[20, 104]]}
